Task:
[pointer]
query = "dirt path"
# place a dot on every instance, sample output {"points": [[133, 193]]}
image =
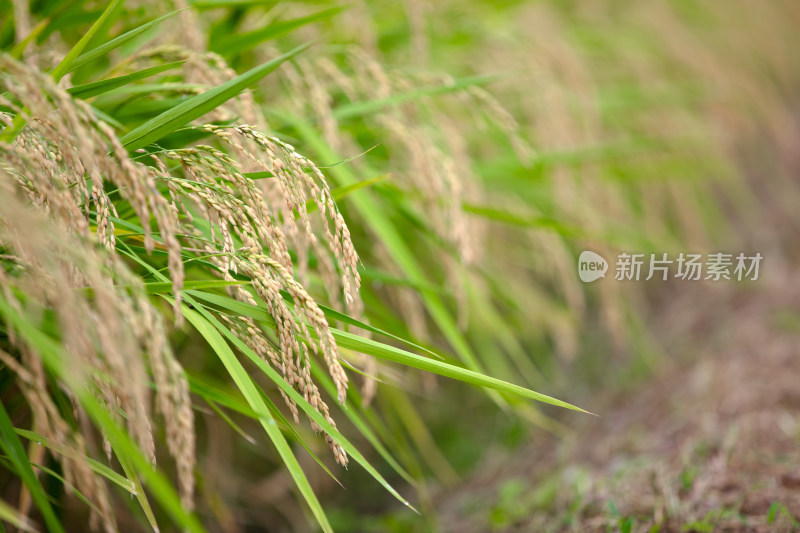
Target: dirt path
{"points": [[712, 443]]}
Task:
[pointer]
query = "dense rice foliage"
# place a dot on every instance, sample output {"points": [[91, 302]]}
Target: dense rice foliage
{"points": [[241, 240]]}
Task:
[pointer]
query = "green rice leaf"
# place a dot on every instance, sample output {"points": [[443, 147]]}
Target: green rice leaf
{"points": [[361, 424], [397, 355], [298, 398], [20, 47], [116, 42], [365, 108], [13, 517], [259, 175], [342, 192], [127, 466], [96, 466], [213, 395], [88, 90], [19, 122], [260, 314], [166, 286], [199, 105], [10, 443], [525, 221], [53, 356], [214, 4], [249, 390], [239, 42], [68, 63]]}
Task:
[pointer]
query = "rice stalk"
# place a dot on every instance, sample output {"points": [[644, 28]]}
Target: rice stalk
{"points": [[64, 163]]}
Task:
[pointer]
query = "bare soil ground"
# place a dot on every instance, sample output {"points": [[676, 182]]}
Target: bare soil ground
{"points": [[710, 443]]}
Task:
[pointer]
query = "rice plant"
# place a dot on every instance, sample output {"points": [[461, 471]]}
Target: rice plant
{"points": [[115, 235], [238, 230]]}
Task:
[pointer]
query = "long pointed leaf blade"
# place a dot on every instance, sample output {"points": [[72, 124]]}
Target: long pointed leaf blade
{"points": [[19, 122], [13, 517], [396, 355], [244, 41], [11, 444], [67, 64], [96, 466], [354, 109], [245, 383], [197, 106], [54, 357], [301, 402], [88, 90], [116, 42], [211, 394], [243, 309], [363, 426]]}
